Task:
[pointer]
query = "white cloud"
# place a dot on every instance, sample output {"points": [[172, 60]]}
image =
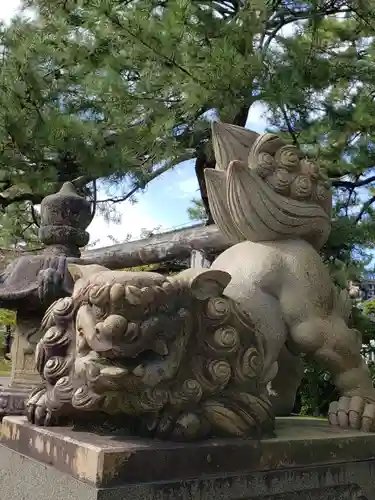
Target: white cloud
{"points": [[257, 117], [134, 218], [189, 187], [8, 9]]}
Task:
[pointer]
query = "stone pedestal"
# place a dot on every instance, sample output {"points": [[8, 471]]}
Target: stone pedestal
{"points": [[308, 460]]}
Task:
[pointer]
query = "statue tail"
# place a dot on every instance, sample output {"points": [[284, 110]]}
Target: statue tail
{"points": [[275, 193]]}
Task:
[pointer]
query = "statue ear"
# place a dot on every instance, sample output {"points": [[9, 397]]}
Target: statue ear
{"points": [[210, 283], [77, 272]]}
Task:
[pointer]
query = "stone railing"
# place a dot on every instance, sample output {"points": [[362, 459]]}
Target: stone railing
{"points": [[198, 243]]}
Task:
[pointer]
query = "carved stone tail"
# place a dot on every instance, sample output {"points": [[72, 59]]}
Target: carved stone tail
{"points": [[265, 190]]}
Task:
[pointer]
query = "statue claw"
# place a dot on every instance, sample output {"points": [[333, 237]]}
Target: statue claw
{"points": [[36, 408], [354, 412], [50, 280], [40, 414], [30, 412]]}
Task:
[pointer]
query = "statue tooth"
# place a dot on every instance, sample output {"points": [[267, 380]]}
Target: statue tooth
{"points": [[139, 371], [117, 292], [168, 287], [147, 294], [113, 371], [160, 347]]}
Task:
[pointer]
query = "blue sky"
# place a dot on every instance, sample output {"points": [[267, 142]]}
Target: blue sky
{"points": [[165, 201]]}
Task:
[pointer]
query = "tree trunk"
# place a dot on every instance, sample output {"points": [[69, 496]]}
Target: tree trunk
{"points": [[201, 163]]}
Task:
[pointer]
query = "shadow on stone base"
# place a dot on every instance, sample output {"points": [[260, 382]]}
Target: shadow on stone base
{"points": [[307, 461], [12, 401]]}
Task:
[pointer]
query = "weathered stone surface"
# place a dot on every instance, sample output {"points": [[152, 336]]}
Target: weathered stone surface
{"points": [[308, 459], [274, 203]]}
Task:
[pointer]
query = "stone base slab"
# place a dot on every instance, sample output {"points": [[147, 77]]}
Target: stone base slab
{"points": [[12, 401], [307, 460]]}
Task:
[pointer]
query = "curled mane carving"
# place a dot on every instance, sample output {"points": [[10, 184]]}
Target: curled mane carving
{"points": [[265, 190], [173, 355]]}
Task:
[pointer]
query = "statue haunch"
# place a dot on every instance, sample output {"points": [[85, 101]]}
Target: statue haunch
{"points": [[172, 355]]}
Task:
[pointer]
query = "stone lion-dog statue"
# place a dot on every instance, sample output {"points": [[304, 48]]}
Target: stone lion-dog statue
{"points": [[214, 352]]}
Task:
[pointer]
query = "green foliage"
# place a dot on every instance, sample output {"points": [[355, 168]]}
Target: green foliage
{"points": [[5, 367], [369, 307], [321, 94], [316, 391], [17, 228], [7, 317], [197, 211], [364, 323]]}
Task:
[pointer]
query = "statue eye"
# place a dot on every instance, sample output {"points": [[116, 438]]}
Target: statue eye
{"points": [[98, 312]]}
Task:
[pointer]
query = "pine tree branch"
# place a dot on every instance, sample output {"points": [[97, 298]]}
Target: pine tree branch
{"points": [[290, 15], [142, 184], [276, 25], [34, 198], [289, 125], [353, 185], [168, 60], [364, 209], [120, 199]]}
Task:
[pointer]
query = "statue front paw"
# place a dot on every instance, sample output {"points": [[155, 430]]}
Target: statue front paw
{"points": [[355, 412], [36, 408], [50, 279]]}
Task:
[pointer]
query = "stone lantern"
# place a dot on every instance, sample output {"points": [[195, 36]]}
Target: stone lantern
{"points": [[31, 283]]}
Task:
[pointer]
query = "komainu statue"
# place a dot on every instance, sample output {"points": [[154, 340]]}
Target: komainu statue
{"points": [[214, 352]]}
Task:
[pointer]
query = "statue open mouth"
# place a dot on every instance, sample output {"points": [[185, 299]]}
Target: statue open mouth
{"points": [[136, 365], [133, 352]]}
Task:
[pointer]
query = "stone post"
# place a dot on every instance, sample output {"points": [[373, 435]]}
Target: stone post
{"points": [[32, 283]]}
